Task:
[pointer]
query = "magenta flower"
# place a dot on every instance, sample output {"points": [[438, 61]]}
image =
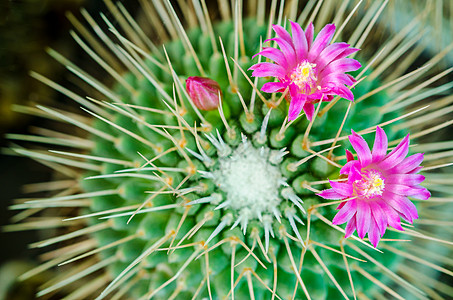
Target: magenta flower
{"points": [[379, 184], [311, 70], [204, 92]]}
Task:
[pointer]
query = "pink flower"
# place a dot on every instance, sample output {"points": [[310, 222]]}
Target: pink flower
{"points": [[311, 70], [204, 92], [379, 184]]}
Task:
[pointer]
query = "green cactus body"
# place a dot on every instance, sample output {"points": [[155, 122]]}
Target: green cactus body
{"points": [[245, 176], [216, 204]]}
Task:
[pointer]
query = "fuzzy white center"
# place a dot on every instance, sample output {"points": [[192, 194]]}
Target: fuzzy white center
{"points": [[304, 76], [250, 181], [371, 185]]}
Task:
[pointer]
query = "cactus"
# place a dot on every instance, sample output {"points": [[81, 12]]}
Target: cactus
{"points": [[179, 202]]}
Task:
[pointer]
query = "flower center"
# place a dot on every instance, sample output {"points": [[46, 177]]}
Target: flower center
{"points": [[249, 180], [304, 76], [371, 185]]}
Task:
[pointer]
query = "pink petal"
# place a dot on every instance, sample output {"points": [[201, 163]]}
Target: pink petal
{"points": [[420, 193], [349, 155], [295, 106], [380, 145], [330, 194], [361, 147], [274, 54], [393, 217], [355, 173], [403, 205], [350, 228], [341, 66], [400, 145], [344, 189], [273, 87], [265, 69], [316, 96], [309, 31], [344, 92], [416, 170], [405, 179], [322, 40], [340, 206], [337, 79], [397, 155], [373, 234], [363, 218], [379, 216], [408, 164], [329, 54], [346, 52], [399, 189], [345, 213], [309, 110], [288, 51], [347, 167], [352, 169], [281, 32], [299, 41]]}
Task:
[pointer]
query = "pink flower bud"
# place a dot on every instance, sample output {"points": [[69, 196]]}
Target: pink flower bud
{"points": [[204, 92]]}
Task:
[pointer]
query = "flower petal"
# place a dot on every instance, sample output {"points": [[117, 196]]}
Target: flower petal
{"points": [[337, 79], [346, 169], [405, 179], [309, 110], [265, 69], [420, 193], [373, 234], [379, 216], [345, 213], [329, 53], [380, 145], [363, 218], [343, 92], [350, 228], [346, 52], [399, 189], [361, 148], [330, 194], [416, 170], [344, 189], [273, 87], [295, 106], [393, 218], [352, 169], [287, 50], [281, 32], [309, 31], [299, 41], [322, 40], [403, 205], [349, 155], [408, 164], [341, 66], [340, 206], [274, 54], [397, 155]]}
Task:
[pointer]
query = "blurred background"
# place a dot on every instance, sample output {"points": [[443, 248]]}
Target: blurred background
{"points": [[27, 27]]}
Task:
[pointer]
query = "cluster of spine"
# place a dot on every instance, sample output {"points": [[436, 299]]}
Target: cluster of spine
{"points": [[156, 199]]}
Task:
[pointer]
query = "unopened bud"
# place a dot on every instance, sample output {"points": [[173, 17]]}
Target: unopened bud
{"points": [[204, 92]]}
